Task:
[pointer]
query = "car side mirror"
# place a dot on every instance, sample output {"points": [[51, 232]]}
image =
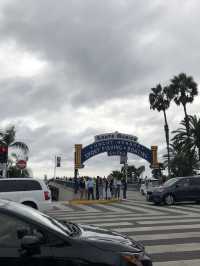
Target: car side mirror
{"points": [[30, 241]]}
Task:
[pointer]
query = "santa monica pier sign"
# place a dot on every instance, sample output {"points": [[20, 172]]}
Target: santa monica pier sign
{"points": [[114, 144]]}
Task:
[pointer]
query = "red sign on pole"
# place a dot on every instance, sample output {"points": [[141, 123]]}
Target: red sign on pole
{"points": [[21, 164]]}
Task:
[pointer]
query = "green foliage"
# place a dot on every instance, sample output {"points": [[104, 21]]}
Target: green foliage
{"points": [[194, 133], [159, 98], [13, 171], [117, 175], [7, 137], [133, 171], [183, 89], [184, 160]]}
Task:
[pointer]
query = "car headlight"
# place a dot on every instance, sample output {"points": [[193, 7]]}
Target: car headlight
{"points": [[133, 258]]}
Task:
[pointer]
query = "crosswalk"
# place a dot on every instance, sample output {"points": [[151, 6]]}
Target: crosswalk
{"points": [[171, 234]]}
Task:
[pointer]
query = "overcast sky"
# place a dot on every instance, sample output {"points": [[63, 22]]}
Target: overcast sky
{"points": [[71, 69]]}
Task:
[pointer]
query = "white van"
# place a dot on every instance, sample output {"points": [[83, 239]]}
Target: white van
{"points": [[28, 191], [148, 184]]}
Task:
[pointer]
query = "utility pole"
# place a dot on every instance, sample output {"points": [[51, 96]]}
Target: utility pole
{"points": [[54, 175]]}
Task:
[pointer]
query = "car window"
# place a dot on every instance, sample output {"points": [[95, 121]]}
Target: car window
{"points": [[13, 229], [195, 181], [19, 185], [184, 182], [170, 182]]}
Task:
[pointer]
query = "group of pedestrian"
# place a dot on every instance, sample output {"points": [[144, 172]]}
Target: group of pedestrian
{"points": [[100, 188]]}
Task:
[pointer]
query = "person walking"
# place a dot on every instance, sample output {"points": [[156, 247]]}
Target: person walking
{"points": [[97, 187], [106, 186], [111, 185], [82, 187], [124, 187], [100, 188], [118, 187], [90, 188], [115, 187]]}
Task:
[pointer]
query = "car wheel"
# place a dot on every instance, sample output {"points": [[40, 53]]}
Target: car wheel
{"points": [[169, 200], [30, 204]]}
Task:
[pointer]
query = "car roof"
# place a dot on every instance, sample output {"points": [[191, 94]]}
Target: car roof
{"points": [[30, 214], [193, 176], [3, 203], [18, 178]]}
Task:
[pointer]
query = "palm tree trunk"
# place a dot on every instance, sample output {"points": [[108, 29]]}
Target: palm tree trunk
{"points": [[199, 153], [187, 126], [186, 121], [167, 142]]}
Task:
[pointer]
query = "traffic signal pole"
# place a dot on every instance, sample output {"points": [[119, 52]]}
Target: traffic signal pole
{"points": [[54, 175]]}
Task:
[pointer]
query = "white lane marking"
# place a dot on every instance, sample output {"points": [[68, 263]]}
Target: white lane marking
{"points": [[170, 221], [141, 209], [88, 208], [113, 209], [110, 218], [165, 236], [158, 228], [163, 209], [113, 224], [178, 263], [173, 248]]}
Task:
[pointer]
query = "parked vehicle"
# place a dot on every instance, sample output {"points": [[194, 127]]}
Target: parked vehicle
{"points": [[176, 190], [28, 191], [29, 238], [148, 184]]}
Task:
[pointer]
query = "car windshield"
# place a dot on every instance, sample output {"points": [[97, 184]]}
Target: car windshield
{"points": [[66, 228], [155, 183], [170, 182]]}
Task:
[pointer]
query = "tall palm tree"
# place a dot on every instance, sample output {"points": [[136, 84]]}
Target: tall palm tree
{"points": [[194, 133], [7, 139], [183, 89], [159, 100]]}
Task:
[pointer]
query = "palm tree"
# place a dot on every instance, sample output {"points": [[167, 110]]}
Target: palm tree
{"points": [[194, 133], [117, 174], [182, 160], [159, 99], [132, 170], [7, 139], [183, 89]]}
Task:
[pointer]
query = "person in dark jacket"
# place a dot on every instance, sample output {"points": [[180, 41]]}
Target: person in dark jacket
{"points": [[97, 187], [124, 187]]}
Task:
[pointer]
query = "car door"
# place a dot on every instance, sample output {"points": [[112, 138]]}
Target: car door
{"points": [[183, 190], [195, 188], [70, 252], [12, 252]]}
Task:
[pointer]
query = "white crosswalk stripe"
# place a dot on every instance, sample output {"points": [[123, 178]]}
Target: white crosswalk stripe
{"points": [[171, 234]]}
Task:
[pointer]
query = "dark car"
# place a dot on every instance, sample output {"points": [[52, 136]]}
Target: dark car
{"points": [[30, 238], [176, 190]]}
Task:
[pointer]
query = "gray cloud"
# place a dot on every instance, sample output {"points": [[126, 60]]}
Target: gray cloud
{"points": [[97, 52]]}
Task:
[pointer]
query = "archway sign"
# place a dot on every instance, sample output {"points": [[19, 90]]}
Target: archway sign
{"points": [[114, 144]]}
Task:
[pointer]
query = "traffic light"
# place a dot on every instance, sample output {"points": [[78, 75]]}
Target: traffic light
{"points": [[58, 161], [3, 154]]}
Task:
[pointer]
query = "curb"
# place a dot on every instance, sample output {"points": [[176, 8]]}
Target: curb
{"points": [[91, 202]]}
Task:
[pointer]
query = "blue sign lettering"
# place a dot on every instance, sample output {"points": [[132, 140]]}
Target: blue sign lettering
{"points": [[116, 147]]}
